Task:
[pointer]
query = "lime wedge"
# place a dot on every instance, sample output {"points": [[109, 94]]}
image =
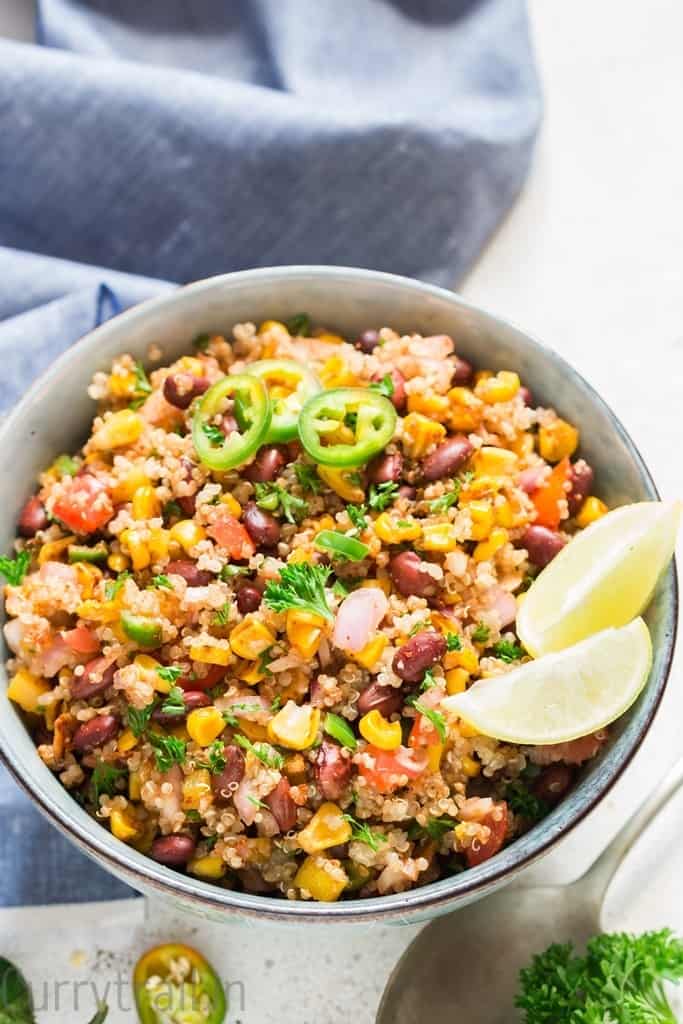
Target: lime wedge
{"points": [[561, 696], [604, 577]]}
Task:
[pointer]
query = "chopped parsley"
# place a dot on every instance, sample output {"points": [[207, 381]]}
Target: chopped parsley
{"points": [[14, 569], [112, 587], [174, 702], [382, 495], [104, 779], [362, 833], [172, 510], [264, 661], [142, 384], [299, 326], [161, 581], [385, 386], [169, 673], [524, 803], [232, 720], [341, 588], [307, 477], [435, 828], [481, 634], [428, 680], [201, 342], [214, 434], [507, 651], [263, 751], [453, 642], [229, 572], [277, 703], [356, 514], [419, 627], [222, 616], [215, 758], [444, 502], [168, 750], [138, 718], [301, 585], [64, 465], [437, 719], [275, 498]]}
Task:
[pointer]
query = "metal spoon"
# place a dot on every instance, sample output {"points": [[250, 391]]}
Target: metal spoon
{"points": [[467, 963]]}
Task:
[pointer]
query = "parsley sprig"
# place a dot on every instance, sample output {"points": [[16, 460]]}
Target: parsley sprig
{"points": [[307, 477], [274, 498], [138, 718], [524, 803], [169, 673], [263, 751], [161, 582], [382, 495], [168, 750], [112, 587], [213, 433], [104, 779], [435, 828], [481, 634], [174, 702], [301, 585], [437, 719], [385, 386], [508, 651], [215, 758], [356, 514], [14, 569], [362, 833]]}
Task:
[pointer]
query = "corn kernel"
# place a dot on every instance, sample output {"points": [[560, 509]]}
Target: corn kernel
{"points": [[24, 689], [304, 631], [134, 786], [372, 652], [557, 440], [190, 364], [187, 534], [335, 373], [196, 786], [467, 731], [118, 430], [88, 576], [126, 741], [482, 517], [138, 550], [253, 731], [298, 556], [125, 488], [205, 725], [434, 754], [466, 409], [591, 510], [146, 505], [328, 827], [124, 826], [232, 505], [250, 638], [324, 883], [295, 769], [393, 529], [250, 673], [456, 680], [492, 461], [482, 375], [439, 537], [330, 339], [341, 481], [294, 726], [523, 445], [468, 659], [375, 728], [383, 582], [211, 867], [486, 549], [470, 767], [274, 325], [54, 549], [99, 611], [501, 388], [210, 654], [434, 406], [420, 434], [158, 544], [122, 385], [118, 562]]}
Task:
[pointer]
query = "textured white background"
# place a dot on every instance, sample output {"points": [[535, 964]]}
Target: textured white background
{"points": [[590, 261]]}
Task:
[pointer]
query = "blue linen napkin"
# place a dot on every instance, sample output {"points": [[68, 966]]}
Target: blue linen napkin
{"points": [[156, 142]]}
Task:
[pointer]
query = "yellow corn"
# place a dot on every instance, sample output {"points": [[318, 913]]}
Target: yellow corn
{"points": [[54, 549], [134, 786], [122, 385], [304, 631], [331, 339], [211, 867], [158, 544], [375, 728], [456, 680], [273, 325], [250, 673], [232, 505], [147, 666], [118, 562], [126, 487], [509, 514], [501, 388], [523, 445], [126, 741], [482, 375], [557, 440], [88, 576], [295, 769], [205, 725], [24, 689], [341, 481], [420, 434], [294, 726], [124, 826], [190, 364], [492, 461], [434, 752], [253, 731], [336, 374], [591, 510], [138, 549], [341, 435], [483, 519], [486, 549], [470, 767], [466, 409], [328, 827], [180, 732], [466, 658], [381, 581], [118, 430], [250, 638], [325, 522], [467, 731], [210, 654], [146, 505], [438, 537], [99, 611], [392, 529], [323, 880], [196, 785], [434, 406], [372, 652], [297, 556], [187, 534]]}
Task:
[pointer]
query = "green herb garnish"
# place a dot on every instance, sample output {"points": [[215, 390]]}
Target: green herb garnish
{"points": [[301, 585], [523, 802], [65, 466], [307, 477], [103, 781], [453, 642], [299, 325], [265, 753], [215, 758], [428, 680], [168, 750], [138, 718], [201, 342], [169, 673], [274, 498], [214, 434], [339, 729], [356, 514], [481, 634], [445, 501], [362, 833], [174, 702], [382, 495], [222, 616], [14, 569], [435, 828], [507, 651], [229, 572], [142, 384], [437, 719], [232, 720], [385, 386], [161, 581], [112, 587]]}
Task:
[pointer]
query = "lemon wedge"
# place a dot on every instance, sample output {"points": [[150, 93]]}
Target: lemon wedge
{"points": [[604, 577], [561, 696]]}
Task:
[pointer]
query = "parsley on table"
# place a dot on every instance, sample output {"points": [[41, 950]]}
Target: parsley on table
{"points": [[385, 386], [104, 779], [453, 642], [214, 434], [215, 762], [301, 585], [307, 477], [524, 803], [112, 587], [437, 719], [174, 702], [169, 673], [14, 569], [275, 498], [168, 750], [382, 495], [299, 325], [481, 634], [507, 651], [138, 718], [263, 751], [356, 514], [362, 833], [161, 582]]}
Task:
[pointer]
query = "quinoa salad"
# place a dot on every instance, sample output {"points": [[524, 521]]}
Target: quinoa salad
{"points": [[234, 615]]}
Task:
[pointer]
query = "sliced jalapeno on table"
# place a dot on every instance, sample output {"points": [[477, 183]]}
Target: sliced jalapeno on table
{"points": [[252, 410], [346, 426], [290, 385], [175, 983]]}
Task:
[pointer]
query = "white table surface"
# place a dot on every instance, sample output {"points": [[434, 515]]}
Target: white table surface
{"points": [[590, 261]]}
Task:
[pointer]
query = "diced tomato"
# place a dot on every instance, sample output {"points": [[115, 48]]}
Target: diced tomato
{"points": [[547, 498], [423, 733], [205, 682], [388, 764], [497, 822], [231, 535], [82, 640], [85, 506]]}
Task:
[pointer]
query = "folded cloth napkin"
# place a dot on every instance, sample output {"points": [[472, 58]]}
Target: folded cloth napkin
{"points": [[175, 139]]}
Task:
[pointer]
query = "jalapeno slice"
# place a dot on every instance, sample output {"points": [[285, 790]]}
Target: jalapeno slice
{"points": [[346, 426], [142, 631], [290, 385], [176, 983], [252, 411]]}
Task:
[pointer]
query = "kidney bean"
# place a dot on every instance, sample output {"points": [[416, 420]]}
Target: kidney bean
{"points": [[225, 782], [463, 371], [174, 851], [193, 699], [181, 388], [97, 675], [541, 544], [188, 504], [406, 491], [448, 458], [211, 678], [385, 699], [332, 770], [385, 468], [580, 484], [367, 341], [95, 733], [398, 380], [253, 881], [338, 852], [418, 654], [248, 598], [266, 466], [186, 568], [553, 782], [526, 395], [33, 517], [409, 577], [263, 528], [282, 806]]}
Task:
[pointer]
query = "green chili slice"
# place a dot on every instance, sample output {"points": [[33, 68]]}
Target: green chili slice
{"points": [[368, 415], [142, 631], [339, 729], [252, 410], [82, 553], [290, 385], [342, 546]]}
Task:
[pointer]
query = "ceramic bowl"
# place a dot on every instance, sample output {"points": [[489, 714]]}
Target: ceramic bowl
{"points": [[56, 414]]}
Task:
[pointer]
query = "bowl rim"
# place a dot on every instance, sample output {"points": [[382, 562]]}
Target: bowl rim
{"points": [[139, 870]]}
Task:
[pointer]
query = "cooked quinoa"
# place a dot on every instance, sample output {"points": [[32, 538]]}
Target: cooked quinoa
{"points": [[240, 669]]}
